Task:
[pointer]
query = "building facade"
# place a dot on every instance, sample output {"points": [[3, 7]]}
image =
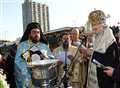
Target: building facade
{"points": [[35, 12]]}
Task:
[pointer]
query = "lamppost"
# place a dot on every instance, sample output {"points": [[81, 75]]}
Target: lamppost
{"points": [[5, 34]]}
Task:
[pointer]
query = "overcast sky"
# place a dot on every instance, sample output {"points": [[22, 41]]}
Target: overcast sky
{"points": [[62, 13]]}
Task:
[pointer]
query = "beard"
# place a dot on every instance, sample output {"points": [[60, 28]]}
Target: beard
{"points": [[36, 39]]}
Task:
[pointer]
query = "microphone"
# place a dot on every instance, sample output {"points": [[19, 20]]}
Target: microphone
{"points": [[65, 45]]}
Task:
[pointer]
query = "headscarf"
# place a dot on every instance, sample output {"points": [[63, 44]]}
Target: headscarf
{"points": [[31, 26]]}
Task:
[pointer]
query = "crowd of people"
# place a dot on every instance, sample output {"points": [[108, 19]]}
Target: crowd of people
{"points": [[80, 66]]}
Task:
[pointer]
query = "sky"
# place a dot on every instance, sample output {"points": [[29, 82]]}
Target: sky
{"points": [[62, 13]]}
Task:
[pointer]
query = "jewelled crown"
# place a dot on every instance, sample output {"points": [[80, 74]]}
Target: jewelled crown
{"points": [[96, 17]]}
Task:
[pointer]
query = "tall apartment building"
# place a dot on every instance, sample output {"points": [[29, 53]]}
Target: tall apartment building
{"points": [[35, 12]]}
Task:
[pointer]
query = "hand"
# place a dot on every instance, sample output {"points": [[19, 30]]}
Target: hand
{"points": [[59, 62], [109, 71], [70, 57], [84, 52]]}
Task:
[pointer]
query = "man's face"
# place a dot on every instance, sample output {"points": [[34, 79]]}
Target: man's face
{"points": [[35, 35], [97, 29], [66, 41], [66, 37], [118, 34], [75, 36]]}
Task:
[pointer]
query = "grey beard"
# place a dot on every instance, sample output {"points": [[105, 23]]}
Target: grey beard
{"points": [[99, 34]]}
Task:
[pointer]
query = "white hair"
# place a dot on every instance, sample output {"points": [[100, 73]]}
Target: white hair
{"points": [[75, 30]]}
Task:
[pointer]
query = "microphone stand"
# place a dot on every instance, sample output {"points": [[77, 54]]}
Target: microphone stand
{"points": [[65, 74], [65, 77]]}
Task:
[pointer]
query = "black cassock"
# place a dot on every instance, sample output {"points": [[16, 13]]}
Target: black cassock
{"points": [[109, 58], [116, 76]]}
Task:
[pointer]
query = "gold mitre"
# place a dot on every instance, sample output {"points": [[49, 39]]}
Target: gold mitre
{"points": [[97, 17]]}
